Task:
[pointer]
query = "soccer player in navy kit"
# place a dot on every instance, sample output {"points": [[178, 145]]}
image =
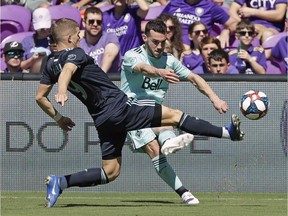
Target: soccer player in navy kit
{"points": [[109, 108]]}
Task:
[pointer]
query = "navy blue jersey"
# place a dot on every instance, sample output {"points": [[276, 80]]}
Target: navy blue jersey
{"points": [[89, 83]]}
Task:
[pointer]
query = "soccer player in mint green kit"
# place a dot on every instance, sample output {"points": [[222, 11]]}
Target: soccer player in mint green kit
{"points": [[110, 108], [136, 84]]}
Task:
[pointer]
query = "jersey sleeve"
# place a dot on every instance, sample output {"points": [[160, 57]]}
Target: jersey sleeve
{"points": [[130, 60], [54, 65], [45, 78], [180, 69], [75, 56]]}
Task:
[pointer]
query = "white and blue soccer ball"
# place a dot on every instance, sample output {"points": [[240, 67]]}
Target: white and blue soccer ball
{"points": [[254, 105]]}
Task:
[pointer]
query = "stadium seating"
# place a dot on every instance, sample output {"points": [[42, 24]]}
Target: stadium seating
{"points": [[281, 65], [273, 67], [14, 19], [273, 40], [16, 37], [9, 28], [65, 11]]}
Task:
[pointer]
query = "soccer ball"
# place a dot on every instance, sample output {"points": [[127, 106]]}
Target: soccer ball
{"points": [[254, 104]]}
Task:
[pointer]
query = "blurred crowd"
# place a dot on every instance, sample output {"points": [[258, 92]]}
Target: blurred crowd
{"points": [[208, 36]]}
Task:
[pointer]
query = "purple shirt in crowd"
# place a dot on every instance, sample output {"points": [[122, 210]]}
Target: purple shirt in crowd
{"points": [[127, 27], [192, 60], [280, 52], [243, 67], [97, 51], [205, 11], [33, 45], [267, 5], [201, 69]]}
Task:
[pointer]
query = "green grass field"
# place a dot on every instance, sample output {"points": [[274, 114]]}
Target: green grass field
{"points": [[142, 204]]}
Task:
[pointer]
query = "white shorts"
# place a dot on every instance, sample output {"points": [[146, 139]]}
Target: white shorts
{"points": [[140, 138]]}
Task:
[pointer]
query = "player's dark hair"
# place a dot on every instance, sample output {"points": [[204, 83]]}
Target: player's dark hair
{"points": [[156, 25], [218, 55], [93, 10]]}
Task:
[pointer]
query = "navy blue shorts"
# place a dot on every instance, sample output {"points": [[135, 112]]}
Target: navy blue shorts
{"points": [[137, 114]]}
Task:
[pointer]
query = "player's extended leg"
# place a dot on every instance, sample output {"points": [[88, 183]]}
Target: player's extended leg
{"points": [[86, 178], [198, 126], [111, 147], [167, 174]]}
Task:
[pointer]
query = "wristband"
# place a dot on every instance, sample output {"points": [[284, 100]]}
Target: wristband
{"points": [[57, 117]]}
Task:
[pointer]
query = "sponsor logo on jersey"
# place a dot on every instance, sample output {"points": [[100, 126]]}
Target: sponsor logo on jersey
{"points": [[148, 83]]}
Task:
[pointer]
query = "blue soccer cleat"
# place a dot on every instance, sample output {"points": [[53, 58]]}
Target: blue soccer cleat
{"points": [[53, 190], [234, 129]]}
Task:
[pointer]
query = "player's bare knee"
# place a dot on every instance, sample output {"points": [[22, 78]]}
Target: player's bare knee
{"points": [[112, 174], [177, 116], [170, 116], [112, 168]]}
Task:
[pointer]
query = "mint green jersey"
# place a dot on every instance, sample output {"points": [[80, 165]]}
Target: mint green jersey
{"points": [[137, 85]]}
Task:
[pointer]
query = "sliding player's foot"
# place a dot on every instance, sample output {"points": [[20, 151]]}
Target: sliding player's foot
{"points": [[53, 190]]}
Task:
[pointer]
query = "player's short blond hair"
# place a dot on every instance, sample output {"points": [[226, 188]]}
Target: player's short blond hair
{"points": [[63, 27]]}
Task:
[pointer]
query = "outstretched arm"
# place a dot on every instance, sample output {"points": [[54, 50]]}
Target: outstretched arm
{"points": [[150, 71], [63, 82], [42, 100], [220, 105]]}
